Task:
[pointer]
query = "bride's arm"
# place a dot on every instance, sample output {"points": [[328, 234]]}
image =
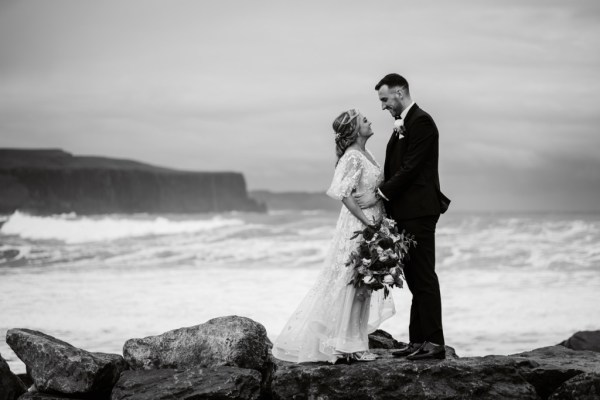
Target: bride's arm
{"points": [[354, 208]]}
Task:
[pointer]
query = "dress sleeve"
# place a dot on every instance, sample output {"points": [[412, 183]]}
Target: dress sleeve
{"points": [[346, 176]]}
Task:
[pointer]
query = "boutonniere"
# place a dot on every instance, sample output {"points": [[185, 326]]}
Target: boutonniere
{"points": [[399, 128]]}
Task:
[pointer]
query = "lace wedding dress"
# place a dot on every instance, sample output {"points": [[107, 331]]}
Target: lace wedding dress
{"points": [[335, 318]]}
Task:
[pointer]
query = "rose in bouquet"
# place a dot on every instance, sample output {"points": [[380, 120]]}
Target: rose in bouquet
{"points": [[377, 262]]}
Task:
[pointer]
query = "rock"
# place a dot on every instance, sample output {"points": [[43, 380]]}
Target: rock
{"points": [[531, 375], [45, 396], [11, 386], [491, 377], [554, 365], [382, 340], [581, 387], [583, 340], [195, 383], [225, 341], [58, 367]]}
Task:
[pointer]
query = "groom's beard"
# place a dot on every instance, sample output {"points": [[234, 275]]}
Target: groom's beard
{"points": [[396, 113], [393, 113]]}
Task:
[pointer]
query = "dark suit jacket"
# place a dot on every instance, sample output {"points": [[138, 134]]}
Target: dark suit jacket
{"points": [[412, 182]]}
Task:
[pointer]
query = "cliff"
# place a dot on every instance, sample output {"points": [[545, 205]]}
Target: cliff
{"points": [[53, 181]]}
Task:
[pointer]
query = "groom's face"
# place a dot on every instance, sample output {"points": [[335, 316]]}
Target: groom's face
{"points": [[390, 100]]}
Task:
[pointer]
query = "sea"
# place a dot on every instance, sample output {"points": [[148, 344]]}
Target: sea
{"points": [[510, 282]]}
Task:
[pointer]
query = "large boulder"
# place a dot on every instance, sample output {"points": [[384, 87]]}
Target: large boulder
{"points": [[492, 377], [581, 387], [11, 386], [225, 341], [58, 367], [552, 366], [212, 383], [583, 340]]}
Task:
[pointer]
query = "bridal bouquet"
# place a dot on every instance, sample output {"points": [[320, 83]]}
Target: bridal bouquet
{"points": [[377, 261]]}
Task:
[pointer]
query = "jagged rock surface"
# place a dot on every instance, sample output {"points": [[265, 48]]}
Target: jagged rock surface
{"points": [[531, 375], [394, 378], [225, 341], [581, 387], [228, 358], [197, 383], [554, 365], [45, 396], [11, 386], [58, 367]]}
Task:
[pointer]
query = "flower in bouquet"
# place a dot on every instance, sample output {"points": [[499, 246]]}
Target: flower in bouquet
{"points": [[368, 279], [377, 261]]}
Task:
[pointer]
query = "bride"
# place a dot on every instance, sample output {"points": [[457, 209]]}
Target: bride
{"points": [[334, 319]]}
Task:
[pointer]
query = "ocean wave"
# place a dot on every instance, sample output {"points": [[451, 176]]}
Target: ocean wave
{"points": [[72, 229], [525, 242], [13, 255], [463, 242]]}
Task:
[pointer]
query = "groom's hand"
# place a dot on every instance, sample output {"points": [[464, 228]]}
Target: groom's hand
{"points": [[366, 200]]}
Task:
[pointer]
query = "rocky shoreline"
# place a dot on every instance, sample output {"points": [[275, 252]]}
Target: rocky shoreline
{"points": [[229, 358]]}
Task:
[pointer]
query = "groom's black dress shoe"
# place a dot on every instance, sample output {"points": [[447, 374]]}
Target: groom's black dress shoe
{"points": [[406, 350], [428, 351]]}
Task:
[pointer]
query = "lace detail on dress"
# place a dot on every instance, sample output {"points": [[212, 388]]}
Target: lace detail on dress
{"points": [[334, 317], [346, 176]]}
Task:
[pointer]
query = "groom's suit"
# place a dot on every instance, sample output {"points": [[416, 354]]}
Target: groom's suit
{"points": [[414, 200]]}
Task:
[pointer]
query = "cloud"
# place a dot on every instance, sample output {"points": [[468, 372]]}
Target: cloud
{"points": [[513, 87]]}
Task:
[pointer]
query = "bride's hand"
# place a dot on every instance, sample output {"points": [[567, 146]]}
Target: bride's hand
{"points": [[366, 200]]}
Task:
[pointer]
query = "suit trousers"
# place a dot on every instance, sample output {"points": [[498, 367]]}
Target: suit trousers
{"points": [[422, 281]]}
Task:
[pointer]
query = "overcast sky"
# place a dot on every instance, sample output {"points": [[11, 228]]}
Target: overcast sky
{"points": [[253, 86]]}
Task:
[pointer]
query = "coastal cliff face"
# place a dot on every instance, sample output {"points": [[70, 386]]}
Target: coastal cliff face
{"points": [[53, 181]]}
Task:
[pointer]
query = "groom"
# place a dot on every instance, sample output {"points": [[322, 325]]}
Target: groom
{"points": [[412, 197]]}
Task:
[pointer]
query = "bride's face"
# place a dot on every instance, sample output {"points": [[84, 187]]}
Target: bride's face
{"points": [[364, 127]]}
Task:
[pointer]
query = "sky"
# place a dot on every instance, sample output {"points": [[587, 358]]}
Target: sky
{"points": [[254, 86]]}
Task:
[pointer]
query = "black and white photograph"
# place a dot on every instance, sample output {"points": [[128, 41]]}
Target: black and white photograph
{"points": [[299, 200]]}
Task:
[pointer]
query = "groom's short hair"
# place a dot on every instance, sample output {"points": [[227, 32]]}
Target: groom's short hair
{"points": [[393, 80]]}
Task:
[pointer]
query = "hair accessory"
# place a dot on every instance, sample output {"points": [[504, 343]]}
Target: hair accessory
{"points": [[350, 115]]}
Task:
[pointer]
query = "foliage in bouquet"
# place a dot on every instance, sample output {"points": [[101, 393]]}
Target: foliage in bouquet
{"points": [[377, 261]]}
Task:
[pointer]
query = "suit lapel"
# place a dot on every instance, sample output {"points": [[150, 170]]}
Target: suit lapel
{"points": [[410, 116], [391, 146], [388, 153]]}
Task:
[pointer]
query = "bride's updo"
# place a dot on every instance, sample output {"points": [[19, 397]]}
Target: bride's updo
{"points": [[345, 127]]}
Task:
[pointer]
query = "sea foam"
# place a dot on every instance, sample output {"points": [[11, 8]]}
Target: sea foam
{"points": [[71, 229]]}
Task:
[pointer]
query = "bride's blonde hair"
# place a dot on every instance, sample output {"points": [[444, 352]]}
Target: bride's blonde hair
{"points": [[345, 127]]}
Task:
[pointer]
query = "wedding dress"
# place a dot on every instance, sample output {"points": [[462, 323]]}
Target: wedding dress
{"points": [[335, 318]]}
